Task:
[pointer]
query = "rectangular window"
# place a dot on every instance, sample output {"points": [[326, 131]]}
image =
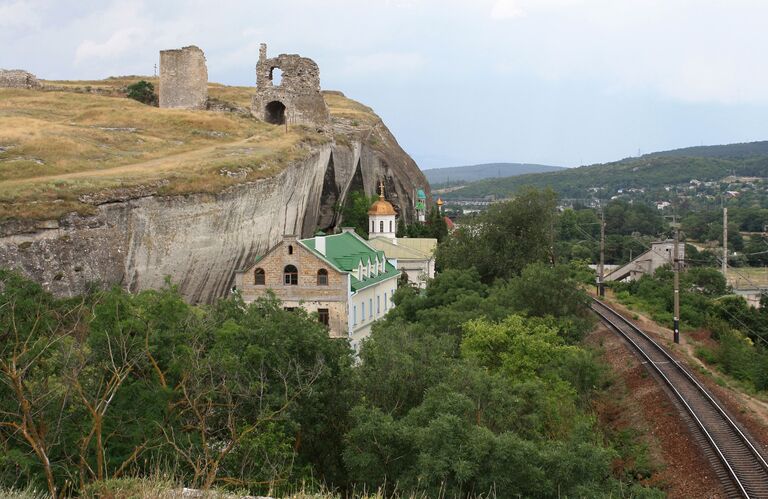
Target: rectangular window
{"points": [[370, 307], [323, 316], [385, 301], [289, 309], [362, 316], [378, 304], [354, 315]]}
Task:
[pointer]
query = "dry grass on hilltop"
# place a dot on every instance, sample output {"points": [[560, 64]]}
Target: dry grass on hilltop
{"points": [[85, 137]]}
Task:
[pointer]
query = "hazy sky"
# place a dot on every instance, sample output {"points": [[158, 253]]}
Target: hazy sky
{"points": [[563, 82]]}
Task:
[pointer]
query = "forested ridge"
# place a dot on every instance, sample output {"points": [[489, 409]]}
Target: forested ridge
{"points": [[479, 385], [650, 172]]}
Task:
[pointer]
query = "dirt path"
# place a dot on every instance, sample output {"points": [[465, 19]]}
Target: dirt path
{"points": [[164, 163], [636, 402]]}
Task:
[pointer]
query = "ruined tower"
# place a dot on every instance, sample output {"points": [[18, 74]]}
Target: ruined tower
{"points": [[288, 90], [183, 78]]}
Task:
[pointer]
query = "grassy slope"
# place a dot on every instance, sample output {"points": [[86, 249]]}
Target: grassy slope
{"points": [[86, 138], [650, 172]]}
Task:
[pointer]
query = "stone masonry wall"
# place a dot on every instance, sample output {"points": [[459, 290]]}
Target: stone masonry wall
{"points": [[183, 78], [306, 294], [298, 91], [17, 78]]}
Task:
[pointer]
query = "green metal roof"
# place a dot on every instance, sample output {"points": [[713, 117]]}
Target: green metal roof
{"points": [[346, 251], [420, 194]]}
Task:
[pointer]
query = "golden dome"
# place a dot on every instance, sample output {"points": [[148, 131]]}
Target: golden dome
{"points": [[382, 207], [439, 202]]}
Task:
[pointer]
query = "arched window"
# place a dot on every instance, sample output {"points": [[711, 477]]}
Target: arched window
{"points": [[259, 277], [381, 226], [322, 277], [290, 249], [390, 226], [372, 226], [290, 275]]}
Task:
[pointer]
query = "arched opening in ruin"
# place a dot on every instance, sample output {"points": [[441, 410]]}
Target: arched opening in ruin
{"points": [[276, 76], [275, 113]]}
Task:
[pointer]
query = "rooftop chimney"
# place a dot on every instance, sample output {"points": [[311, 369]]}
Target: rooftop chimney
{"points": [[320, 244]]}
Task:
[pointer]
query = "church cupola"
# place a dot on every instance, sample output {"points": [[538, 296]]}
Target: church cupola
{"points": [[381, 217]]}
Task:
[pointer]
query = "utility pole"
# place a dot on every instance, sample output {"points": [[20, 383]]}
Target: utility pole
{"points": [[601, 269], [725, 243], [676, 268]]}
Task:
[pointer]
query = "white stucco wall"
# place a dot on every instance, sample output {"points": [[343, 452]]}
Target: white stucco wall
{"points": [[359, 326]]}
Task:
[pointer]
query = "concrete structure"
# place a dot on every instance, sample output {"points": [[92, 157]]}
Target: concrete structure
{"points": [[659, 255], [345, 281], [18, 78], [295, 98], [183, 78]]}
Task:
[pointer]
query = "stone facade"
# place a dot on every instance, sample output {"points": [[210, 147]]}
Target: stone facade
{"points": [[18, 78], [296, 99], [307, 293], [183, 78]]}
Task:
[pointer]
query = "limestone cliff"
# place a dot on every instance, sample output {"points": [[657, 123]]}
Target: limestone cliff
{"points": [[199, 240]]}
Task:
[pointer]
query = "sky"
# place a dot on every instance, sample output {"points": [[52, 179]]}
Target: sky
{"points": [[558, 82]]}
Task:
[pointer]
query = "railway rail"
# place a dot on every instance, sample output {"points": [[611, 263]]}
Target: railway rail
{"points": [[743, 470]]}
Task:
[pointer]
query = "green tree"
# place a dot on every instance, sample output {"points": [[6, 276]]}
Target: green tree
{"points": [[354, 213], [504, 239], [142, 91]]}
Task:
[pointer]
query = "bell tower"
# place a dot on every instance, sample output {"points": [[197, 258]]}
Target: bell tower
{"points": [[381, 217]]}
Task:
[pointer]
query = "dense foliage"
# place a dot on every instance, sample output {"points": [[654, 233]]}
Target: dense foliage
{"points": [[354, 212], [741, 331], [651, 172], [112, 384], [477, 385], [629, 230], [142, 91], [434, 227], [502, 240]]}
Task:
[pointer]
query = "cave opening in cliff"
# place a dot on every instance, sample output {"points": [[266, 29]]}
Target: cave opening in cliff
{"points": [[275, 113]]}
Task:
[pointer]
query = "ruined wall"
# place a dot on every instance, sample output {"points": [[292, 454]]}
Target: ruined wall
{"points": [[18, 78], [183, 78], [297, 99]]}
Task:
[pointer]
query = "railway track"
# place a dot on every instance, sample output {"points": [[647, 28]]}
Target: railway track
{"points": [[743, 471]]}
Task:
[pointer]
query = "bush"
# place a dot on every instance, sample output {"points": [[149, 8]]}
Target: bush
{"points": [[142, 91]]}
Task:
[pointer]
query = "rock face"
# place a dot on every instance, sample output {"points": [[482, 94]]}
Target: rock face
{"points": [[200, 240], [183, 78], [18, 78]]}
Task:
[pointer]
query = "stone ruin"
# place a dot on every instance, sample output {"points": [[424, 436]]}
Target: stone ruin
{"points": [[18, 78], [296, 98], [183, 78]]}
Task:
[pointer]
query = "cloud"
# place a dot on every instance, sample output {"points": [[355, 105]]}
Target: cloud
{"points": [[506, 9], [18, 15], [384, 61], [121, 42]]}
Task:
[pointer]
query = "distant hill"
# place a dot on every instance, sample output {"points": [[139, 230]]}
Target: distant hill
{"points": [[728, 151], [471, 173], [651, 171]]}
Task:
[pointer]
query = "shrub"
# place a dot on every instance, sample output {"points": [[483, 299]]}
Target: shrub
{"points": [[142, 91]]}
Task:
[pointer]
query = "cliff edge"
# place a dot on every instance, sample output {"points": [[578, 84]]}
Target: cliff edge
{"points": [[100, 189]]}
